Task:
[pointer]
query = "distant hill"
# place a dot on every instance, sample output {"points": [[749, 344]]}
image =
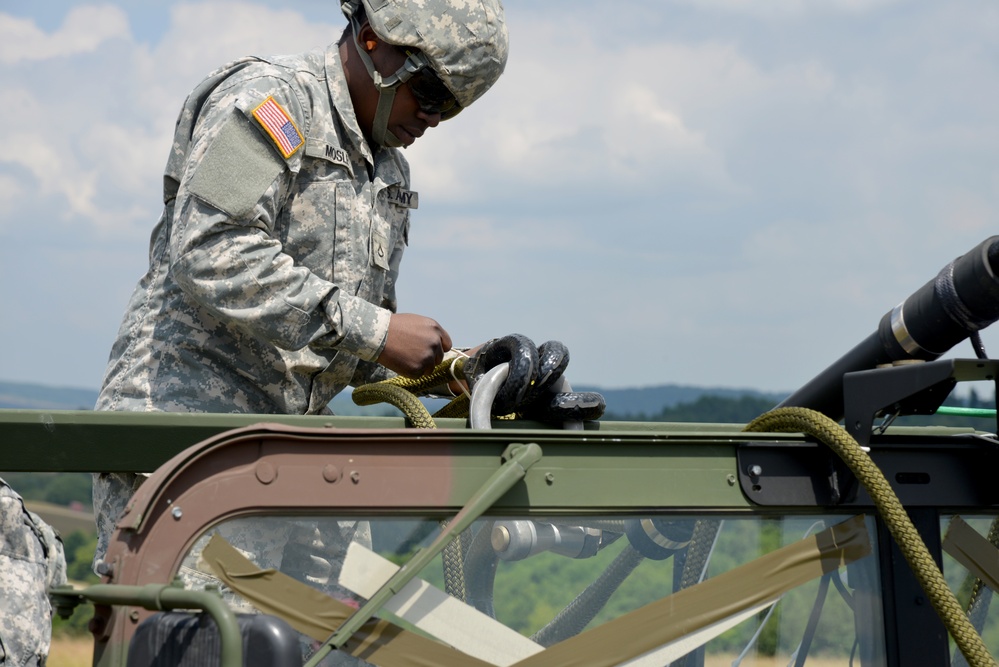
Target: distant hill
{"points": [[23, 396], [631, 401], [652, 400]]}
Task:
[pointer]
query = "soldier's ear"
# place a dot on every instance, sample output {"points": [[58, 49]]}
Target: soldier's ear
{"points": [[368, 39]]}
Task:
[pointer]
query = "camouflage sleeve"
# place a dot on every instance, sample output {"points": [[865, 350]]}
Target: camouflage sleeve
{"points": [[226, 247], [369, 371], [31, 559]]}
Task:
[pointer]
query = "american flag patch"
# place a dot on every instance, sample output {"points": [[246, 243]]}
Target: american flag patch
{"points": [[279, 125]]}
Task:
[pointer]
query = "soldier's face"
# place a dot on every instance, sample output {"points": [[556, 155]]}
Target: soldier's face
{"points": [[407, 121]]}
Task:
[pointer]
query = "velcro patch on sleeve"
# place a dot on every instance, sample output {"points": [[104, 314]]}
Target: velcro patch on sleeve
{"points": [[279, 125], [236, 170]]}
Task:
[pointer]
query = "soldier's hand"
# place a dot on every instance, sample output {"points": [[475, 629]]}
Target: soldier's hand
{"points": [[414, 346]]}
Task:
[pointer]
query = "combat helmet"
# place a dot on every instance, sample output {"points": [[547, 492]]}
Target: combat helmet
{"points": [[456, 50]]}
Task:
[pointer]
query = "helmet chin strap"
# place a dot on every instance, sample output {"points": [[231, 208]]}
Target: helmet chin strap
{"points": [[386, 94], [379, 126]]}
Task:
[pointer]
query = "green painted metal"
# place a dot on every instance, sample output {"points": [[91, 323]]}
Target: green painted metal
{"points": [[609, 465], [160, 597], [88, 441], [518, 459], [609, 469], [631, 464]]}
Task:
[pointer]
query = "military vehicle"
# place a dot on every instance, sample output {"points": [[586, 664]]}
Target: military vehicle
{"points": [[556, 538]]}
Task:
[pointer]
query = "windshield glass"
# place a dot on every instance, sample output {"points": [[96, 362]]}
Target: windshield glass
{"points": [[971, 568], [732, 590]]}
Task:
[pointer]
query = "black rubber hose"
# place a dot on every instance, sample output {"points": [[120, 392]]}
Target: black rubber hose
{"points": [[480, 570], [961, 300], [553, 358], [522, 355], [578, 613]]}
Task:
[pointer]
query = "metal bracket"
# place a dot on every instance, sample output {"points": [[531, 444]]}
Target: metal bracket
{"points": [[910, 389], [159, 597], [781, 474], [924, 471]]}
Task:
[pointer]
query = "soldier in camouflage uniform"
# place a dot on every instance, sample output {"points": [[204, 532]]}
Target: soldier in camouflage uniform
{"points": [[271, 281], [31, 560]]}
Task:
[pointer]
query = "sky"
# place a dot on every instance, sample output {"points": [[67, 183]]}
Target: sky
{"points": [[719, 193]]}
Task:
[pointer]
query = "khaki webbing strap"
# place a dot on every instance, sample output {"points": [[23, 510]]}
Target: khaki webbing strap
{"points": [[317, 615], [435, 612], [973, 552], [757, 582], [675, 650]]}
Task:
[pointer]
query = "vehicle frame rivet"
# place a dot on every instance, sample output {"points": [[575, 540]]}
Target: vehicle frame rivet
{"points": [[265, 472], [331, 473]]}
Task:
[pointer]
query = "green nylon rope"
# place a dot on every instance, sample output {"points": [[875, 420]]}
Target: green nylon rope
{"points": [[401, 392], [386, 392], [821, 427]]}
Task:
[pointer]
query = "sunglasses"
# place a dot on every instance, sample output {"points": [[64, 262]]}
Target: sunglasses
{"points": [[430, 92]]}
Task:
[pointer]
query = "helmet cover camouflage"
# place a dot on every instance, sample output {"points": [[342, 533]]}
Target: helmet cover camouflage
{"points": [[465, 41]]}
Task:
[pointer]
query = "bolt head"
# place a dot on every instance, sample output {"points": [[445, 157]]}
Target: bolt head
{"points": [[331, 473]]}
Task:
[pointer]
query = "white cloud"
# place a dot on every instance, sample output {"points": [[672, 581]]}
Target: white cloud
{"points": [[102, 155], [26, 143], [789, 8], [83, 31], [203, 36], [732, 206], [10, 190], [706, 194], [50, 144], [566, 116]]}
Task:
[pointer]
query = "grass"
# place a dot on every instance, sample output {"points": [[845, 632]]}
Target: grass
{"points": [[69, 651]]}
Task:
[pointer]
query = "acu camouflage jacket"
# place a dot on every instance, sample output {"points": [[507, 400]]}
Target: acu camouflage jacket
{"points": [[272, 270]]}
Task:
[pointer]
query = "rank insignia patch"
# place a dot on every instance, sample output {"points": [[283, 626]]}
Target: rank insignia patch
{"points": [[279, 125]]}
